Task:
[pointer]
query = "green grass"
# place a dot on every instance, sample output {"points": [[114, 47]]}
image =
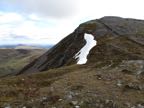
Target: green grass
{"points": [[12, 60]]}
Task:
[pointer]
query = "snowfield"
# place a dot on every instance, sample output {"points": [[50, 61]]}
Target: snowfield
{"points": [[81, 56]]}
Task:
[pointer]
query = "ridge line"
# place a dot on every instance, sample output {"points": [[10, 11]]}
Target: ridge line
{"points": [[109, 28]]}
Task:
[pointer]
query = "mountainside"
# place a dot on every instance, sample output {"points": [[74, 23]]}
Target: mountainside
{"points": [[12, 60], [77, 86], [81, 73], [117, 38]]}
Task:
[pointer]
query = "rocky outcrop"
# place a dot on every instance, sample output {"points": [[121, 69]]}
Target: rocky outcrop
{"points": [[117, 38]]}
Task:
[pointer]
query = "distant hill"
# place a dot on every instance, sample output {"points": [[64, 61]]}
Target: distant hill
{"points": [[12, 60], [28, 47], [25, 46]]}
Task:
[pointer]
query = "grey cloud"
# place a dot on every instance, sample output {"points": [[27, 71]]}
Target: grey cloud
{"points": [[50, 8]]}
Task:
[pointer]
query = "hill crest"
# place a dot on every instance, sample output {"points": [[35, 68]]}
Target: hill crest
{"points": [[117, 39]]}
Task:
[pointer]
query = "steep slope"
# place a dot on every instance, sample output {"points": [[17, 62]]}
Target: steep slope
{"points": [[12, 60], [117, 38]]}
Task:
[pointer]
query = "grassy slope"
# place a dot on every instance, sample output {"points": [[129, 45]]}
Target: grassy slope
{"points": [[89, 87], [12, 60]]}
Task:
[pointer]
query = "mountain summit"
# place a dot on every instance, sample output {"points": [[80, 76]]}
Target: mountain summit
{"points": [[115, 40]]}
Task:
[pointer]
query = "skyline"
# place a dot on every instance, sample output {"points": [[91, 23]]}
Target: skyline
{"points": [[47, 22]]}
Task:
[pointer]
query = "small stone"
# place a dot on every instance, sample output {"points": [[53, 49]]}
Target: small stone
{"points": [[77, 106], [119, 83], [7, 107], [127, 104], [71, 93], [44, 98], [60, 99], [22, 79], [81, 102], [140, 106], [99, 77], [107, 101], [74, 102], [69, 97]]}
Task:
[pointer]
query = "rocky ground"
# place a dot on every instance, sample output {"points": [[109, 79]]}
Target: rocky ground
{"points": [[77, 86]]}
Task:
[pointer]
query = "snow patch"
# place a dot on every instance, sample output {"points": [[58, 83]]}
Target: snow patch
{"points": [[83, 53]]}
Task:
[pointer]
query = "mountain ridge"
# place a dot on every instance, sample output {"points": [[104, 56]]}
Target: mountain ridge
{"points": [[112, 77], [106, 31]]}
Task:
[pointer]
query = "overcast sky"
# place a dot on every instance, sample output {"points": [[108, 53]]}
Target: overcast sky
{"points": [[48, 21]]}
